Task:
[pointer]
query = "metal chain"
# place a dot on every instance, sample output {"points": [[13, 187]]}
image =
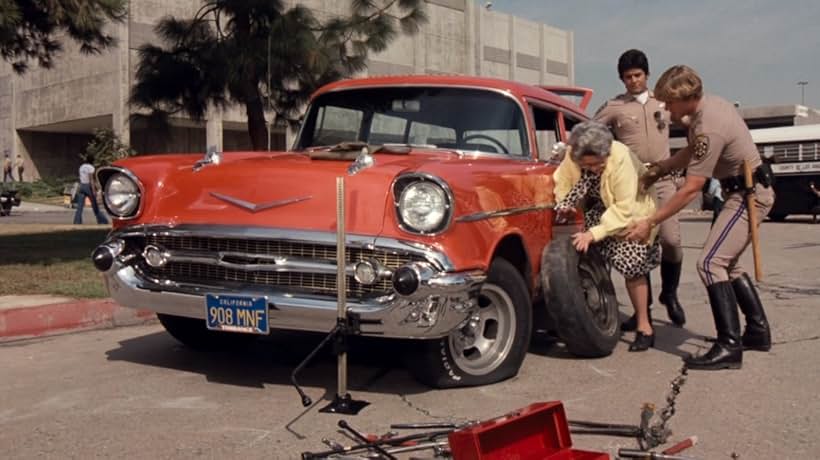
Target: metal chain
{"points": [[658, 432]]}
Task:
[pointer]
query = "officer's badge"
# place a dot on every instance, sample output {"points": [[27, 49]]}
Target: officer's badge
{"points": [[701, 146]]}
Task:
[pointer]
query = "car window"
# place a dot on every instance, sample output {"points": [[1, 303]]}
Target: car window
{"points": [[337, 124], [452, 118], [505, 141], [546, 130], [423, 133], [386, 129]]}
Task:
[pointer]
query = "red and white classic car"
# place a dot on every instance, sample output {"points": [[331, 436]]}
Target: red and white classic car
{"points": [[448, 220]]}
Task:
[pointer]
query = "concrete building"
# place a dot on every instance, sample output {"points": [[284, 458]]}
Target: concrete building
{"points": [[49, 116]]}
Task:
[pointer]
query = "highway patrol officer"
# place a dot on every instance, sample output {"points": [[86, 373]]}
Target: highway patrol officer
{"points": [[640, 121], [719, 143]]}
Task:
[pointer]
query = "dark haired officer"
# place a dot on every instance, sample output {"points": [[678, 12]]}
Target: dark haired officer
{"points": [[640, 121], [719, 144]]}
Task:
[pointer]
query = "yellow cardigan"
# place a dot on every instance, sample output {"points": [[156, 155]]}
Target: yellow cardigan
{"points": [[620, 192]]}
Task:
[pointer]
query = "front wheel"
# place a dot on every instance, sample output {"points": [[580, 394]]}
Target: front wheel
{"points": [[580, 299], [492, 343], [193, 333]]}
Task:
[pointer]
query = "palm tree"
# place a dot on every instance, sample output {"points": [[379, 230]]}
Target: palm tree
{"points": [[28, 28], [258, 54]]}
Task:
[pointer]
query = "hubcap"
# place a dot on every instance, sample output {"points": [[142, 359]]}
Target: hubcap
{"points": [[485, 340]]}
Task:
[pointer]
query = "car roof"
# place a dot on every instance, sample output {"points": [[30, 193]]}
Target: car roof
{"points": [[515, 88]]}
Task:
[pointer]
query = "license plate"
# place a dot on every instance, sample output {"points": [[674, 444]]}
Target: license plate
{"points": [[234, 313]]}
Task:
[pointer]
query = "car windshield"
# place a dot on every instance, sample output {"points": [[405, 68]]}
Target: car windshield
{"points": [[447, 118]]}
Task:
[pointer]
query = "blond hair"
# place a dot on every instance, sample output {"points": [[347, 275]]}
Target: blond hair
{"points": [[679, 83]]}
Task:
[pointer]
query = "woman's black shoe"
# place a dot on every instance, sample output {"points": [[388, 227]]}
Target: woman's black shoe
{"points": [[642, 342]]}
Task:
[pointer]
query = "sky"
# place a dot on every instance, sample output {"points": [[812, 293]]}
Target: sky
{"points": [[750, 51]]}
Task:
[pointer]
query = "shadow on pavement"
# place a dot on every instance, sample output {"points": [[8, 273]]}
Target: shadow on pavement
{"points": [[374, 365], [50, 246]]}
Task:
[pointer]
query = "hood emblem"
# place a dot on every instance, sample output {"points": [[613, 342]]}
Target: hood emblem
{"points": [[256, 207]]}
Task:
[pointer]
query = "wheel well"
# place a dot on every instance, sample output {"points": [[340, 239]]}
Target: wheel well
{"points": [[511, 248]]}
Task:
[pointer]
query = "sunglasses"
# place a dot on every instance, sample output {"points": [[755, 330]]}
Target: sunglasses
{"points": [[659, 119]]}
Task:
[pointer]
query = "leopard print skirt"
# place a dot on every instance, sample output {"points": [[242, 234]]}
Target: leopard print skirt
{"points": [[631, 258]]}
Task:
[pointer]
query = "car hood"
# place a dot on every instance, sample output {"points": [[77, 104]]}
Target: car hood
{"points": [[284, 190]]}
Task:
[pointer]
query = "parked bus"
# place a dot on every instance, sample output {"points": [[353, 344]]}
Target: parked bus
{"points": [[794, 153]]}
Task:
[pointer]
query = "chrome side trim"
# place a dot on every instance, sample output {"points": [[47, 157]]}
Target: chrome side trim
{"points": [[438, 258], [256, 207], [482, 215]]}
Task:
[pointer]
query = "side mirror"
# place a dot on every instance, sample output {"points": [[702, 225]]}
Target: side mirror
{"points": [[559, 150]]}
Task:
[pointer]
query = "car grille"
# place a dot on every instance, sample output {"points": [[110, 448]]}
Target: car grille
{"points": [[314, 283]]}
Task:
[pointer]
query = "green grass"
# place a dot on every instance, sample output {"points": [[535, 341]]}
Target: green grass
{"points": [[50, 259]]}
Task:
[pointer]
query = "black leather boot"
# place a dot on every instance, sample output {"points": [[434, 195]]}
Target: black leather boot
{"points": [[727, 352], [670, 278], [757, 335], [632, 323]]}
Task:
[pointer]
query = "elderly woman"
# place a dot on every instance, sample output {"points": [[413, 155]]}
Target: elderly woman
{"points": [[601, 175]]}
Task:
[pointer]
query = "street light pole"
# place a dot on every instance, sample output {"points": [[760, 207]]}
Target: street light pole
{"points": [[802, 85]]}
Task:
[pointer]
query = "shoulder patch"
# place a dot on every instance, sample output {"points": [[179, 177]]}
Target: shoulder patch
{"points": [[701, 146]]}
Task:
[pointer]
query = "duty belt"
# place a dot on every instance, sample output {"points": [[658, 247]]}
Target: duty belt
{"points": [[761, 175]]}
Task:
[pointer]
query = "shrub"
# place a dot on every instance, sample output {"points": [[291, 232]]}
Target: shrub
{"points": [[106, 148]]}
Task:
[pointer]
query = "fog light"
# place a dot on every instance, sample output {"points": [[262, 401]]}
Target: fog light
{"points": [[405, 281], [103, 258], [155, 256], [365, 273]]}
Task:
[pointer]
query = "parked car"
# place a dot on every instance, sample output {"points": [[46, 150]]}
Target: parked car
{"points": [[8, 198], [450, 238]]}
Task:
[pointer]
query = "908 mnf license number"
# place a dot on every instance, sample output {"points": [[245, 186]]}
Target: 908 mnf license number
{"points": [[237, 313]]}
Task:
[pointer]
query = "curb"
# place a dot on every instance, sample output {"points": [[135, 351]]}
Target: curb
{"points": [[61, 318]]}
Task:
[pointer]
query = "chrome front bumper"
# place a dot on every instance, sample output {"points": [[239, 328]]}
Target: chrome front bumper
{"points": [[442, 302]]}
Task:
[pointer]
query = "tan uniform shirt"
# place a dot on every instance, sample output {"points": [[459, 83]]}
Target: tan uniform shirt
{"points": [[644, 128], [721, 140]]}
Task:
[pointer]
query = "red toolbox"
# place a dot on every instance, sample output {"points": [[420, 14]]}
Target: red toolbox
{"points": [[536, 432]]}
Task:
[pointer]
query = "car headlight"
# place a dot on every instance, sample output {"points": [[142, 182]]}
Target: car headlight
{"points": [[424, 206], [121, 195]]}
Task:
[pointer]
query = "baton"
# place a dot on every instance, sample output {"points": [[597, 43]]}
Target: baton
{"points": [[752, 208]]}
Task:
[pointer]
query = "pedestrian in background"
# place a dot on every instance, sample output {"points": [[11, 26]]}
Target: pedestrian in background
{"points": [[19, 164], [88, 189], [602, 174], [719, 145], [640, 121], [7, 176]]}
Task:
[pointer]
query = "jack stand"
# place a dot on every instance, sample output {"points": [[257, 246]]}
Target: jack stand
{"points": [[342, 402], [347, 324]]}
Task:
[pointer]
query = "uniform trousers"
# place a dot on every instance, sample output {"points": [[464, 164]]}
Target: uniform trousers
{"points": [[669, 230], [730, 235]]}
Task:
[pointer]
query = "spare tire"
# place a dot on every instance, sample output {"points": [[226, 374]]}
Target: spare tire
{"points": [[580, 298]]}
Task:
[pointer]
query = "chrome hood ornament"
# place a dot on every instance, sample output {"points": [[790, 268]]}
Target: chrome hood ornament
{"points": [[212, 156], [256, 207], [363, 161]]}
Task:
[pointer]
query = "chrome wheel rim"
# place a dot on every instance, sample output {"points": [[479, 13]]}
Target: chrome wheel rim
{"points": [[486, 338]]}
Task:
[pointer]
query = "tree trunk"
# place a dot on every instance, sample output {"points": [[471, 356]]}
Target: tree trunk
{"points": [[255, 110]]}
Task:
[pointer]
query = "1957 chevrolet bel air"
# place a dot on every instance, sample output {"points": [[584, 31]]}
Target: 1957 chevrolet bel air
{"points": [[450, 233]]}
